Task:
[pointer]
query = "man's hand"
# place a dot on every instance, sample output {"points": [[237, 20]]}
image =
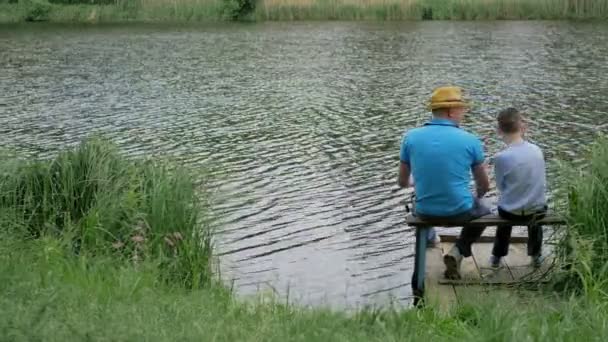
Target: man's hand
{"points": [[482, 182], [404, 175]]}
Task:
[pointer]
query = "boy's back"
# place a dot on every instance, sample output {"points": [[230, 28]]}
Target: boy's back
{"points": [[521, 182], [520, 177]]}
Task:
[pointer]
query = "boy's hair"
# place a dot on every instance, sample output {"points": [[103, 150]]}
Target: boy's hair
{"points": [[509, 120]]}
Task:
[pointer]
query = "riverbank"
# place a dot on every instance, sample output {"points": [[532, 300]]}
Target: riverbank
{"points": [[47, 295], [103, 11], [100, 247]]}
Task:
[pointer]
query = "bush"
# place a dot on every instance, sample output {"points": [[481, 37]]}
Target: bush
{"points": [[35, 10], [238, 9]]}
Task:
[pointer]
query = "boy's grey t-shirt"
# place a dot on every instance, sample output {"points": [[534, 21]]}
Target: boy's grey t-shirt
{"points": [[520, 177]]}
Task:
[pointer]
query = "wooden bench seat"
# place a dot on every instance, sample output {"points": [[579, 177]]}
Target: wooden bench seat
{"points": [[484, 221]]}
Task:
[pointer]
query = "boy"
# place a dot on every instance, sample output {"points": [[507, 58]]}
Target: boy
{"points": [[521, 183]]}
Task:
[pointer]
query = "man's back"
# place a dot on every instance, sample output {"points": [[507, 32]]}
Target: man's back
{"points": [[441, 157], [520, 177]]}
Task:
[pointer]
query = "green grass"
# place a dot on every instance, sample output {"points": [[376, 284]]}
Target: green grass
{"points": [[440, 9], [100, 203], [121, 11], [89, 251], [47, 294], [10, 13], [285, 10], [584, 247]]}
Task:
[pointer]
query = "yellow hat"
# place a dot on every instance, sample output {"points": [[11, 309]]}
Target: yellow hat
{"points": [[447, 97]]}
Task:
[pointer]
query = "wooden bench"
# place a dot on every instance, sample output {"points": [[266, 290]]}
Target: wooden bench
{"points": [[421, 240]]}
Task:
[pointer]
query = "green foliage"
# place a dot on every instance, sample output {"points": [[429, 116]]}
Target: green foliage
{"points": [[84, 2], [237, 9], [48, 294], [584, 244], [103, 203], [128, 9], [214, 10], [35, 10], [430, 9]]}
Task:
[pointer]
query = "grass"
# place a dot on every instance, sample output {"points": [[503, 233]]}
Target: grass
{"points": [[47, 294], [584, 248], [10, 13], [100, 203], [430, 9], [215, 10], [120, 11], [89, 251]]}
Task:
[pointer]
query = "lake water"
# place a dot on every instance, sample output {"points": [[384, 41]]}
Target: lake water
{"points": [[300, 124]]}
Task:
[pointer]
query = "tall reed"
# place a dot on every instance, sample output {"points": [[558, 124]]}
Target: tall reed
{"points": [[584, 244], [430, 9], [215, 10], [104, 203]]}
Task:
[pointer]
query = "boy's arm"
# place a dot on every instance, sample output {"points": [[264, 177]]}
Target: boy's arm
{"points": [[499, 173]]}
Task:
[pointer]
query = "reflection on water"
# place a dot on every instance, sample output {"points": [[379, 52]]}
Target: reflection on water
{"points": [[301, 123]]}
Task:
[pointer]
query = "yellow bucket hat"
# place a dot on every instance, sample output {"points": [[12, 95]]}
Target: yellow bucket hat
{"points": [[447, 97]]}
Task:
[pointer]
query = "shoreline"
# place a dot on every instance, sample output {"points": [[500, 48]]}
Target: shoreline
{"points": [[209, 11]]}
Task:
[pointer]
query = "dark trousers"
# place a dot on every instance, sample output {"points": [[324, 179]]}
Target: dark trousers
{"points": [[469, 235]]}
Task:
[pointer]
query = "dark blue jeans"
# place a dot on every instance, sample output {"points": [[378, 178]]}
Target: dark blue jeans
{"points": [[535, 232], [468, 234]]}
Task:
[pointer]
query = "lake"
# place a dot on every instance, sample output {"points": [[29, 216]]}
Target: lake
{"points": [[296, 126]]}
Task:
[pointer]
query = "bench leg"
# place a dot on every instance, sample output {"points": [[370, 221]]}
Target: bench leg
{"points": [[419, 265]]}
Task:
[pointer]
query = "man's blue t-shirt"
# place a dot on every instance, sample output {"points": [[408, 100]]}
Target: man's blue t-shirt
{"points": [[441, 157]]}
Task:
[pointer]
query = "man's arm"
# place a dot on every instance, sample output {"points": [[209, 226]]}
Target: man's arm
{"points": [[404, 164], [479, 168], [404, 175], [482, 182]]}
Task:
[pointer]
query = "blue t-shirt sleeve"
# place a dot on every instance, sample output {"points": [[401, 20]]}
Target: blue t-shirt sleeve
{"points": [[404, 154], [476, 151]]}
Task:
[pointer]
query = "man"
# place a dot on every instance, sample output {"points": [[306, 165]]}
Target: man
{"points": [[441, 157]]}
